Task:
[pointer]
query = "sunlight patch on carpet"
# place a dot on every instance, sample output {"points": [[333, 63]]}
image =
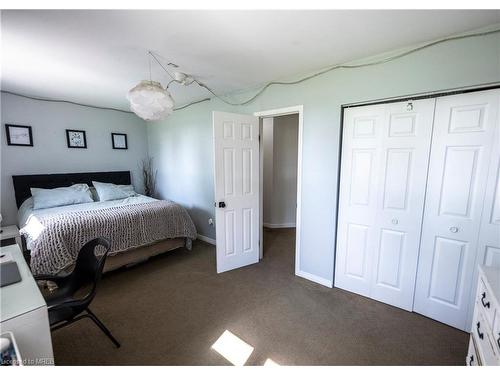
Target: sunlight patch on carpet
{"points": [[270, 362], [234, 349]]}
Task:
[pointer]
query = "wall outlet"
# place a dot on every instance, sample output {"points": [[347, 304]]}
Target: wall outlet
{"points": [[210, 221]]}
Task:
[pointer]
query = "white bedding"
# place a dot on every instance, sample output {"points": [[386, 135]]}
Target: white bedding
{"points": [[55, 235], [26, 211]]}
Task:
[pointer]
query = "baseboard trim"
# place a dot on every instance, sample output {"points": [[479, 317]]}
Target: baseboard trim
{"points": [[314, 278], [276, 226], [203, 238]]}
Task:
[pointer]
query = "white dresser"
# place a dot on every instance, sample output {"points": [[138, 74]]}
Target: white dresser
{"points": [[24, 313], [484, 344]]}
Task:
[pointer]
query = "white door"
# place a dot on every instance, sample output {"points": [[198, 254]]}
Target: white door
{"points": [[489, 238], [359, 179], [488, 249], [464, 130], [407, 131], [236, 161], [383, 175]]}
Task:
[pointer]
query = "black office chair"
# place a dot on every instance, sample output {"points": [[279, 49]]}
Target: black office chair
{"points": [[64, 304]]}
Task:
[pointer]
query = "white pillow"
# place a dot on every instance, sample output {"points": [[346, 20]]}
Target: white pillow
{"points": [[63, 196], [110, 192]]}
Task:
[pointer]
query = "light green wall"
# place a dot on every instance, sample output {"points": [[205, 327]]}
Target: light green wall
{"points": [[182, 144]]}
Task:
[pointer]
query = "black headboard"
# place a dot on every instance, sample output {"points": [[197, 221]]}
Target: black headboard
{"points": [[22, 184]]}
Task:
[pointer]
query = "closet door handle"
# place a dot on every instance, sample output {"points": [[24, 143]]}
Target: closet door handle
{"points": [[453, 229], [481, 335], [487, 304], [395, 221]]}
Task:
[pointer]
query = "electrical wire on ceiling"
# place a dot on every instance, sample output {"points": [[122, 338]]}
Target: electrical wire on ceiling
{"points": [[273, 83], [344, 66], [62, 101]]}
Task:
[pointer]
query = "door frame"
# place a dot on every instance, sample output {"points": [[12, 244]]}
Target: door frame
{"points": [[298, 109]]}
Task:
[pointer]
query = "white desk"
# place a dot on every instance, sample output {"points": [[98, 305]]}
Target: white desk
{"points": [[24, 313], [10, 234]]}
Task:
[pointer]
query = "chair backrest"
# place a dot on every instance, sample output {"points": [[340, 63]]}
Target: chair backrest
{"points": [[88, 268]]}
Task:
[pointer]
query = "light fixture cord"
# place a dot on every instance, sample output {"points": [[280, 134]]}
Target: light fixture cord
{"points": [[329, 69], [159, 63], [63, 101], [261, 90], [149, 61]]}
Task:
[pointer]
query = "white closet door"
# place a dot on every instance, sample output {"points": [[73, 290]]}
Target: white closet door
{"points": [[464, 130], [489, 240], [363, 129], [488, 249], [406, 141], [384, 168]]}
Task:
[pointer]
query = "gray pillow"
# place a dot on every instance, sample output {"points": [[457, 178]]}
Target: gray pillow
{"points": [[110, 192], [63, 196]]}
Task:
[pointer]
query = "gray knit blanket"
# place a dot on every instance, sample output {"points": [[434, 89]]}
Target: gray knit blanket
{"points": [[55, 247]]}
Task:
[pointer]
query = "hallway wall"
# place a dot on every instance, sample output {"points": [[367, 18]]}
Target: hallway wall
{"points": [[280, 171]]}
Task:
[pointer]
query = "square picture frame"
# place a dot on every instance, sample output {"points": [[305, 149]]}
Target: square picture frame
{"points": [[76, 138], [19, 135], [119, 141]]}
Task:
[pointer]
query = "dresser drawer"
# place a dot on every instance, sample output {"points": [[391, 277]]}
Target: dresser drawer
{"points": [[472, 357], [485, 302], [485, 345], [496, 331]]}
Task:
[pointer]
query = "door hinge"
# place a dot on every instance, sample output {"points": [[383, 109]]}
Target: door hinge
{"points": [[259, 138]]}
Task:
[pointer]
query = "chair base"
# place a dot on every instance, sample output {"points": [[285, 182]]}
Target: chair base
{"points": [[92, 317]]}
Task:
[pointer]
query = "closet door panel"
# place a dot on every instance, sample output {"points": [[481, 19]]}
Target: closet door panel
{"points": [[489, 236], [358, 198], [463, 136], [447, 272], [405, 147], [489, 239]]}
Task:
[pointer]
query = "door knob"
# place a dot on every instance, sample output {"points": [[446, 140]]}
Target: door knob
{"points": [[395, 221], [453, 229], [222, 204]]}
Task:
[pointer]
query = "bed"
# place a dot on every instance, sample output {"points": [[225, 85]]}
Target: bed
{"points": [[139, 227]]}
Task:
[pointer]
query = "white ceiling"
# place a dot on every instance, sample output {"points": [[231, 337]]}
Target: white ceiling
{"points": [[95, 57]]}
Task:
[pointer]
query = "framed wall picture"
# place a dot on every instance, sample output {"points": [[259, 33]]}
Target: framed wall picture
{"points": [[19, 135], [76, 138], [119, 141]]}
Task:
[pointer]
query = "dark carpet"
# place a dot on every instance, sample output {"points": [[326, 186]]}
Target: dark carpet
{"points": [[171, 309]]}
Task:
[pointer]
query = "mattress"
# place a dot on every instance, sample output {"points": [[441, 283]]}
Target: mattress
{"points": [[55, 235]]}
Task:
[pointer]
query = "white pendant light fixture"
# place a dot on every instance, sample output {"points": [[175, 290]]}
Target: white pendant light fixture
{"points": [[150, 101]]}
